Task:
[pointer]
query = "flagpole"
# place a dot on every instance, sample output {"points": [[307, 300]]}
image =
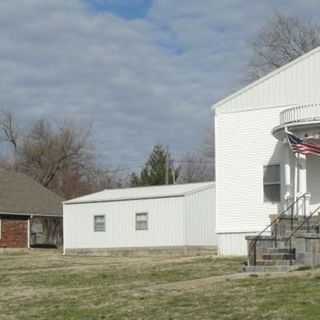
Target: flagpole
{"points": [[296, 163]]}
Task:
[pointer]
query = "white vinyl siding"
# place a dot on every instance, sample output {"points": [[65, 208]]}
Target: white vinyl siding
{"points": [[199, 207], [293, 84], [240, 158]]}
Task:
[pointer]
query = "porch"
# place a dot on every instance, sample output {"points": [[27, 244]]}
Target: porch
{"points": [[300, 172], [292, 238]]}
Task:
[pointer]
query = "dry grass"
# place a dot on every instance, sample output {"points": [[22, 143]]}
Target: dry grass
{"points": [[46, 285]]}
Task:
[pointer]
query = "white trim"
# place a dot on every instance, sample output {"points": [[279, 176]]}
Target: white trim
{"points": [[123, 199], [258, 108], [220, 103], [236, 232], [209, 185]]}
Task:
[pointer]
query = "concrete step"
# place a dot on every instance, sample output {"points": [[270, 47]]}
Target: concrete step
{"points": [[275, 250], [274, 268], [266, 262], [278, 256]]}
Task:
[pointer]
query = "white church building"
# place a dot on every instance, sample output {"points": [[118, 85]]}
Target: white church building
{"points": [[257, 174]]}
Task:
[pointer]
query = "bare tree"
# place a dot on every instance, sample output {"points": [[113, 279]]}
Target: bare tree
{"points": [[8, 128], [9, 134], [195, 168], [46, 151], [60, 157], [280, 41], [199, 166]]}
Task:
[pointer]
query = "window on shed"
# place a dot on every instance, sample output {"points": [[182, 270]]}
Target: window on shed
{"points": [[142, 221], [99, 223], [271, 183]]}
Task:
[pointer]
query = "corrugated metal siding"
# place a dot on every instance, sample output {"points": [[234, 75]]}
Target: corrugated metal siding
{"points": [[166, 224], [296, 84], [244, 145], [200, 218]]}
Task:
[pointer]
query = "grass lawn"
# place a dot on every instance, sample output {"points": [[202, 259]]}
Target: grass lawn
{"points": [[46, 285]]}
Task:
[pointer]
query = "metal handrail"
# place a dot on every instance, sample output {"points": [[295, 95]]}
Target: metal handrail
{"points": [[306, 219], [282, 213]]}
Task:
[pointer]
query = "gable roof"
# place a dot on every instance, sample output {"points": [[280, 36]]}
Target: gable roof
{"points": [[224, 103], [20, 194], [149, 192]]}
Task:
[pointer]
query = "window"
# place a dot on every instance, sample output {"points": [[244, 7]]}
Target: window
{"points": [[142, 221], [271, 183], [99, 224]]}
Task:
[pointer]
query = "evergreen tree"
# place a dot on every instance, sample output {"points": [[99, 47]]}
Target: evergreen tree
{"points": [[154, 170]]}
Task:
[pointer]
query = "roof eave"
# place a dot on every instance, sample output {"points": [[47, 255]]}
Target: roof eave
{"points": [[177, 195], [31, 214]]}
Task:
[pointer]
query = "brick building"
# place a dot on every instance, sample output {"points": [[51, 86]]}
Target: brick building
{"points": [[30, 215]]}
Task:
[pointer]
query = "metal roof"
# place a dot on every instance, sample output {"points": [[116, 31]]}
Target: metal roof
{"points": [[149, 192]]}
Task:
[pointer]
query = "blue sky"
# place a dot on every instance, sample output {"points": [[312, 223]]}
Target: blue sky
{"points": [[127, 9], [138, 72]]}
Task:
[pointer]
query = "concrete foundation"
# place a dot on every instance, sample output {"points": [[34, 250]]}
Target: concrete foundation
{"points": [[144, 251]]}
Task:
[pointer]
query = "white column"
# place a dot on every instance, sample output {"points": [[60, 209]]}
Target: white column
{"points": [[287, 178], [302, 173], [295, 188], [302, 181], [307, 209]]}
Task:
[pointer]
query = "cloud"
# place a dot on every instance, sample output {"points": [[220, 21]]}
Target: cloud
{"points": [[138, 80]]}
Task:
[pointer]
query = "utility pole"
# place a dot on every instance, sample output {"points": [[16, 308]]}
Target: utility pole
{"points": [[173, 172], [167, 166]]}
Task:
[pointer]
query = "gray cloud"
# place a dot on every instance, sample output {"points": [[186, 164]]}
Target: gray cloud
{"points": [[139, 81]]}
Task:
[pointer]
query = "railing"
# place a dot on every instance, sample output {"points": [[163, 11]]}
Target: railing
{"points": [[282, 215], [305, 220], [309, 112]]}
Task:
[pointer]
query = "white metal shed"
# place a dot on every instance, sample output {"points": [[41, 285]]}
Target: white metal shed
{"points": [[174, 216]]}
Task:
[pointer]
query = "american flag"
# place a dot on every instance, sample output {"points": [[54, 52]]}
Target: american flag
{"points": [[299, 146]]}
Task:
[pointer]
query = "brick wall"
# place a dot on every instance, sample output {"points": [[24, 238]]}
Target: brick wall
{"points": [[14, 232]]}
